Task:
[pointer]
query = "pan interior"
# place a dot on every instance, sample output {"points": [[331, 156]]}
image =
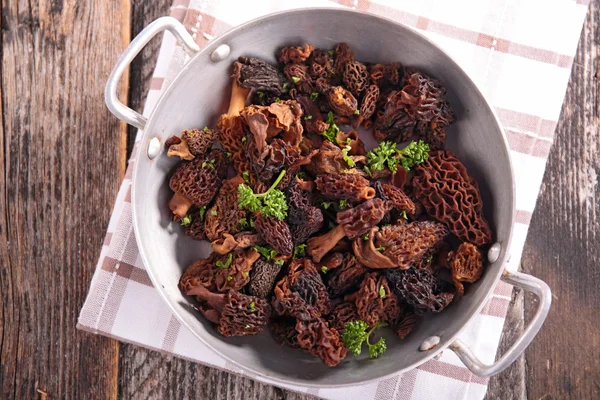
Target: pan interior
{"points": [[200, 94]]}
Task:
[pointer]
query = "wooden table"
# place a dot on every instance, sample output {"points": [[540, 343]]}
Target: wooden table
{"points": [[62, 157]]}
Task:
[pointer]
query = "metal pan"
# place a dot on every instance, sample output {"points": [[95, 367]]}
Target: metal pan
{"points": [[199, 94]]}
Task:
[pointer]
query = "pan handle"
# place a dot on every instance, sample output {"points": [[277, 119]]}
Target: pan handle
{"points": [[111, 98], [543, 293]]}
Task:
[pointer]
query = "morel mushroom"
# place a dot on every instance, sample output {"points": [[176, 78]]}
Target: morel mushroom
{"points": [[257, 74], [343, 55], [225, 215], [342, 101], [399, 200], [284, 331], [196, 182], [352, 222], [375, 301], [199, 273], [466, 265], [293, 54], [344, 187], [420, 289], [346, 277], [262, 278], [356, 77], [275, 232], [342, 314], [235, 313], [321, 341], [233, 270], [450, 195]]}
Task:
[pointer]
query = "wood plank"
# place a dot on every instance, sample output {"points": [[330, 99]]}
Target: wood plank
{"points": [[55, 204], [562, 248]]}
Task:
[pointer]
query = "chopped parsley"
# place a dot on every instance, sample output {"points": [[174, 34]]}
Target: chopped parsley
{"points": [[246, 326], [314, 96], [244, 139], [330, 52], [202, 212], [285, 85], [403, 214], [299, 251], [226, 264], [296, 79], [380, 248], [365, 236], [301, 175], [209, 163], [260, 95], [332, 130], [308, 117], [347, 158], [429, 259], [229, 277], [206, 129], [388, 154], [381, 291], [246, 176], [213, 213], [271, 203], [277, 100], [357, 112], [324, 269], [414, 154], [251, 306], [186, 220], [269, 253], [246, 274]]}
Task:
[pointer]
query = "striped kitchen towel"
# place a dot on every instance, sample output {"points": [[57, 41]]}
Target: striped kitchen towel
{"points": [[519, 53]]}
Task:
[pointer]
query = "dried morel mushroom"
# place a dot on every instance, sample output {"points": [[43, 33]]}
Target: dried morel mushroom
{"points": [[406, 244], [238, 314], [225, 215], [451, 196], [352, 222], [284, 331], [420, 289], [197, 182], [342, 314], [343, 55], [399, 200], [285, 302], [375, 301], [298, 73], [321, 341], [199, 273], [233, 270], [329, 160], [356, 77], [303, 219], [346, 277], [342, 101], [466, 265], [200, 141], [308, 284], [404, 324], [368, 104], [195, 229], [359, 220], [262, 278], [253, 73], [295, 54], [345, 187], [275, 232]]}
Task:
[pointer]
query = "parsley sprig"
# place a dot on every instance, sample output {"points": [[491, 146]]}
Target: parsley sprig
{"points": [[299, 251], [357, 332], [270, 203], [388, 154], [226, 264]]}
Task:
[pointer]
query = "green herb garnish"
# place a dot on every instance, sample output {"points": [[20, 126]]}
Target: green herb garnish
{"points": [[244, 139], [226, 264], [243, 224], [246, 274], [209, 163], [429, 259], [365, 236], [380, 248], [272, 203], [314, 95], [206, 129], [247, 326], [308, 118], [186, 220], [246, 176], [356, 112], [356, 333], [330, 52], [347, 158], [260, 95], [213, 213], [229, 277], [343, 204], [403, 214], [251, 306], [301, 175], [332, 130], [385, 153], [285, 85], [202, 212], [324, 269], [295, 79], [299, 251], [277, 100], [381, 291], [269, 253]]}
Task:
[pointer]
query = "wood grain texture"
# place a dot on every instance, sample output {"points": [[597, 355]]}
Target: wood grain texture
{"points": [[56, 57], [562, 247]]}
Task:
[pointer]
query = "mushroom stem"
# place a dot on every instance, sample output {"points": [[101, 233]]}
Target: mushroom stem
{"points": [[216, 300], [180, 205], [318, 246], [367, 254], [238, 98]]}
